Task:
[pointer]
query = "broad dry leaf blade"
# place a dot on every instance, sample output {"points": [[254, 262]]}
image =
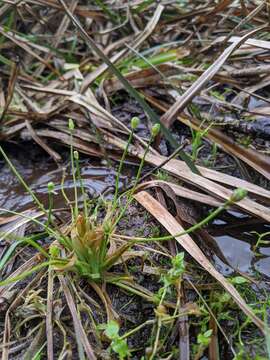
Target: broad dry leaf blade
{"points": [[79, 330], [173, 227], [176, 168]]}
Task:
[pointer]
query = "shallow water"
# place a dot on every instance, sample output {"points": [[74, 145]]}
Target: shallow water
{"points": [[239, 244], [38, 172]]}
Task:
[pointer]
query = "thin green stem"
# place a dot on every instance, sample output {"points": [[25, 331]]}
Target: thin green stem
{"points": [[159, 324], [195, 227], [120, 169], [36, 246], [163, 295], [129, 198], [141, 165], [156, 339], [75, 209], [85, 207], [25, 274], [192, 228], [6, 256], [59, 237], [50, 196], [133, 331], [63, 190]]}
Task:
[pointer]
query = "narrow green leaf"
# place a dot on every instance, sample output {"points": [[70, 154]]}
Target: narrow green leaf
{"points": [[8, 253]]}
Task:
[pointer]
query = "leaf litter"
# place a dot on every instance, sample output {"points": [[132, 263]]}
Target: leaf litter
{"points": [[190, 79]]}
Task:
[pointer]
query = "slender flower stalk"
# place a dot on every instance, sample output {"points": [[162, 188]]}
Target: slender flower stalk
{"points": [[154, 132], [71, 127], [50, 196], [79, 176], [134, 124]]}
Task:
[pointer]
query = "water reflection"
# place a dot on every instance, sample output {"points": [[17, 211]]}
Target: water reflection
{"points": [[237, 237], [96, 179]]}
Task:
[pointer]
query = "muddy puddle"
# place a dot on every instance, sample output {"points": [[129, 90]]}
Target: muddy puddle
{"points": [[38, 171], [242, 257], [236, 235], [244, 242]]}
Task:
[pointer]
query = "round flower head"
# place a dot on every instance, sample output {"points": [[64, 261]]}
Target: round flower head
{"points": [[135, 121], [76, 155], [155, 130], [71, 125], [50, 186], [238, 194]]}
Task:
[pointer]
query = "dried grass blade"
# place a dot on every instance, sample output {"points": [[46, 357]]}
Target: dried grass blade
{"points": [[253, 158], [56, 157], [178, 167], [80, 10], [169, 222], [96, 109], [180, 170], [168, 118], [80, 333], [263, 44], [142, 78], [23, 268], [82, 146], [49, 90], [36, 343], [13, 223], [246, 19], [11, 86], [49, 314], [213, 346], [183, 192], [221, 6], [111, 313], [27, 48], [14, 304], [58, 35]]}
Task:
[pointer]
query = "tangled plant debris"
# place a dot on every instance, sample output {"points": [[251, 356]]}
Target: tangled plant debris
{"points": [[153, 267]]}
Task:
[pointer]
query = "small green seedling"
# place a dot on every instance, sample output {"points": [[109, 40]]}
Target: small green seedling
{"points": [[205, 338], [118, 345]]}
